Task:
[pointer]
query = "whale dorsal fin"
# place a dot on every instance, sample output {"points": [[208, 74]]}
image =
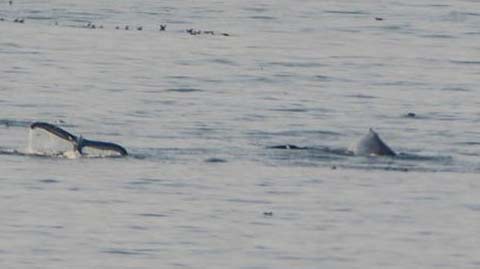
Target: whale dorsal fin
{"points": [[372, 144]]}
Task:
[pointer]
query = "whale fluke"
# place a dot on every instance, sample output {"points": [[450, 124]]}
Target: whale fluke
{"points": [[53, 129], [103, 146], [78, 142], [372, 144]]}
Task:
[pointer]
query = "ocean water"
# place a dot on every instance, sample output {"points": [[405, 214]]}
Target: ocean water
{"points": [[204, 117]]}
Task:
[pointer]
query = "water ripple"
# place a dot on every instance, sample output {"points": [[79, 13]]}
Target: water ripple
{"points": [[184, 90], [127, 252], [152, 215], [346, 12]]}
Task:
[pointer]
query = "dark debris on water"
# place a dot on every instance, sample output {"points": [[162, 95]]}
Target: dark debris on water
{"points": [[161, 28]]}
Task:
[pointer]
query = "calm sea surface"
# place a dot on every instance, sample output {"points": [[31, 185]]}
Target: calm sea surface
{"points": [[202, 116]]}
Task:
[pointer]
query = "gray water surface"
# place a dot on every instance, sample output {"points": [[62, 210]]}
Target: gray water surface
{"points": [[205, 185]]}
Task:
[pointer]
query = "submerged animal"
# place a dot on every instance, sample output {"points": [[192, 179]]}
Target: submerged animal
{"points": [[372, 144], [78, 141]]}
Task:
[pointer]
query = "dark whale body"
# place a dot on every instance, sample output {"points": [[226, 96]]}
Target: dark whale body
{"points": [[369, 145], [78, 142]]}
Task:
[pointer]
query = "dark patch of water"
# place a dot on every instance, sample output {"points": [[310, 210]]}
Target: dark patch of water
{"points": [[296, 133], [146, 181], [223, 61], [39, 17], [215, 160], [465, 62], [153, 215], [469, 143], [266, 18], [415, 157], [289, 110], [324, 78], [439, 36], [296, 64], [346, 12], [184, 90], [118, 251], [49, 181], [474, 14], [255, 9], [455, 89], [361, 96], [248, 201], [15, 123], [138, 227], [176, 77], [473, 207]]}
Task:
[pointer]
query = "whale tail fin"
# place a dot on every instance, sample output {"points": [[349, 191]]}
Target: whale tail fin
{"points": [[55, 130], [100, 145], [79, 143]]}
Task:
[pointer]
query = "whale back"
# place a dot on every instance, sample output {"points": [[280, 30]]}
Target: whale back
{"points": [[372, 144]]}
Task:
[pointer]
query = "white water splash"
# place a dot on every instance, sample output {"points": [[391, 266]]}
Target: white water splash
{"points": [[42, 142], [30, 141], [71, 154]]}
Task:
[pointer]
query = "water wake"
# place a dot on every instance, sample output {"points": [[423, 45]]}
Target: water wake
{"points": [[345, 158]]}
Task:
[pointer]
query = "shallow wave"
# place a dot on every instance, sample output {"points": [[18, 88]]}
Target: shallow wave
{"points": [[14, 123], [184, 90], [295, 133], [346, 12], [26, 123], [14, 152], [54, 155]]}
